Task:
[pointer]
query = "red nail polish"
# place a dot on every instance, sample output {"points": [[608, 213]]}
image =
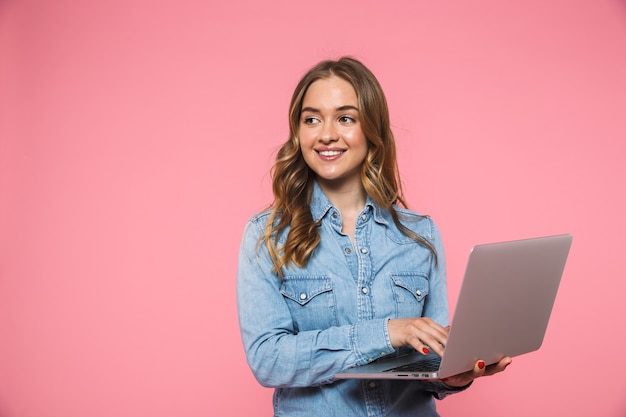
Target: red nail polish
{"points": [[481, 364], [426, 351]]}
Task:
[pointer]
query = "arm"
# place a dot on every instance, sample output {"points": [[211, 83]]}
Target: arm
{"points": [[276, 354]]}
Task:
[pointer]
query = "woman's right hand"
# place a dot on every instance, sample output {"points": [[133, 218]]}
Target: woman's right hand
{"points": [[422, 333]]}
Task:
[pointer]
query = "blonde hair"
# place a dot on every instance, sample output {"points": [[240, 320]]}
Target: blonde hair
{"points": [[292, 179]]}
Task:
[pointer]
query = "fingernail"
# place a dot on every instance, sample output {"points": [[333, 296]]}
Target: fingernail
{"points": [[481, 364], [426, 351]]}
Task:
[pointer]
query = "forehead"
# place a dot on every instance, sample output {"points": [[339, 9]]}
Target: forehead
{"points": [[330, 92]]}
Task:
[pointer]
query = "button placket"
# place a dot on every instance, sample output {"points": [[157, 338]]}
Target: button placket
{"points": [[361, 246]]}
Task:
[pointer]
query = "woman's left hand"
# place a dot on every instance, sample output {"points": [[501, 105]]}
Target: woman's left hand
{"points": [[479, 370]]}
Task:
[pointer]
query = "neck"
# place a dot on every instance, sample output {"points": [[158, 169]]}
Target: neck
{"points": [[349, 199]]}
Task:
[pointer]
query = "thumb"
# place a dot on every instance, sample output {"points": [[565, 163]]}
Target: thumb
{"points": [[479, 368]]}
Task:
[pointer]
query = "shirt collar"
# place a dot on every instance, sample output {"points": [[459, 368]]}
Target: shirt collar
{"points": [[321, 205]]}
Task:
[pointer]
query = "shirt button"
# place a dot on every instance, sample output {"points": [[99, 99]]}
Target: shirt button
{"points": [[348, 251], [364, 290], [303, 296], [363, 251], [372, 384], [363, 216], [335, 215], [418, 292]]}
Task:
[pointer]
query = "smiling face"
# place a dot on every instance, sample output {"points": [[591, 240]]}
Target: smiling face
{"points": [[331, 139]]}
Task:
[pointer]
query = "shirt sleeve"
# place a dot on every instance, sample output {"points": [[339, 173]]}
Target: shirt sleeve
{"points": [[276, 354], [441, 390], [436, 304]]}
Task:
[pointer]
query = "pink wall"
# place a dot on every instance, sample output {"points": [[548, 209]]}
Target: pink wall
{"points": [[135, 141]]}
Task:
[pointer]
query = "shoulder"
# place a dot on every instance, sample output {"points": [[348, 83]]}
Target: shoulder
{"points": [[260, 217], [421, 224], [255, 224]]}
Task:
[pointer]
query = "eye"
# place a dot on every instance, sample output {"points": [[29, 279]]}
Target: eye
{"points": [[347, 119], [310, 120]]}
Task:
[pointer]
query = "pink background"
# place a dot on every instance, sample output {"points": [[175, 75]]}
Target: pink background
{"points": [[136, 138]]}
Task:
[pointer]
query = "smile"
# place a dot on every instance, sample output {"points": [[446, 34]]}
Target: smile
{"points": [[330, 153]]}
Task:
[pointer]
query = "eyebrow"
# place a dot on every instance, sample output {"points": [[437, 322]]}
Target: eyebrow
{"points": [[341, 108]]}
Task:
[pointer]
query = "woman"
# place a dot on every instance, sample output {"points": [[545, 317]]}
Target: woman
{"points": [[338, 272]]}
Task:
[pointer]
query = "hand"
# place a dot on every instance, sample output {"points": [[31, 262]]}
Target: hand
{"points": [[478, 371], [422, 333]]}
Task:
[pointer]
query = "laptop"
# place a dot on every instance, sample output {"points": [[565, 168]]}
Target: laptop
{"points": [[503, 309]]}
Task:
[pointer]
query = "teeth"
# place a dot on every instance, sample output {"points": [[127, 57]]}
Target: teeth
{"points": [[330, 153]]}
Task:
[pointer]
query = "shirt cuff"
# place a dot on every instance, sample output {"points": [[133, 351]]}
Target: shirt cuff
{"points": [[441, 390], [370, 340]]}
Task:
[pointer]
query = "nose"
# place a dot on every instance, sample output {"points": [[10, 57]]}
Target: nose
{"points": [[329, 133]]}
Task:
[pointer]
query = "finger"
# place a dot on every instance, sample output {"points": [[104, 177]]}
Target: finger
{"points": [[479, 369], [498, 367], [434, 345], [426, 344], [423, 334], [432, 336], [491, 369], [419, 345], [428, 338]]}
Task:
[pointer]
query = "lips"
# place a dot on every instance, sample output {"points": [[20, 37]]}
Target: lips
{"points": [[330, 154]]}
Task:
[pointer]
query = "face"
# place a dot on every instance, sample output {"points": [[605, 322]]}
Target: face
{"points": [[331, 139]]}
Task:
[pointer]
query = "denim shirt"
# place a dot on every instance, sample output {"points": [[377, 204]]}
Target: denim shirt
{"points": [[299, 331]]}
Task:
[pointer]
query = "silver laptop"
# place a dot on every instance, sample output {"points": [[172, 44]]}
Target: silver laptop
{"points": [[503, 309]]}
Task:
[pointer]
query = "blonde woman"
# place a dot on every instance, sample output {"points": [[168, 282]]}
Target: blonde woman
{"points": [[338, 272]]}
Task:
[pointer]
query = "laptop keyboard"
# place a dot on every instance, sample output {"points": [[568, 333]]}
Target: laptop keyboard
{"points": [[424, 365]]}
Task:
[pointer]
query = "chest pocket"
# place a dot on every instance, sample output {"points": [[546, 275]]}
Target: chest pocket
{"points": [[311, 302], [409, 293]]}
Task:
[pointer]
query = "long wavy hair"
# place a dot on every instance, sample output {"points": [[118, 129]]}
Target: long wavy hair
{"points": [[292, 179]]}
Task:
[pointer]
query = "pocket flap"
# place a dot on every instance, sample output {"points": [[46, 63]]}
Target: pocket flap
{"points": [[304, 289], [416, 284]]}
